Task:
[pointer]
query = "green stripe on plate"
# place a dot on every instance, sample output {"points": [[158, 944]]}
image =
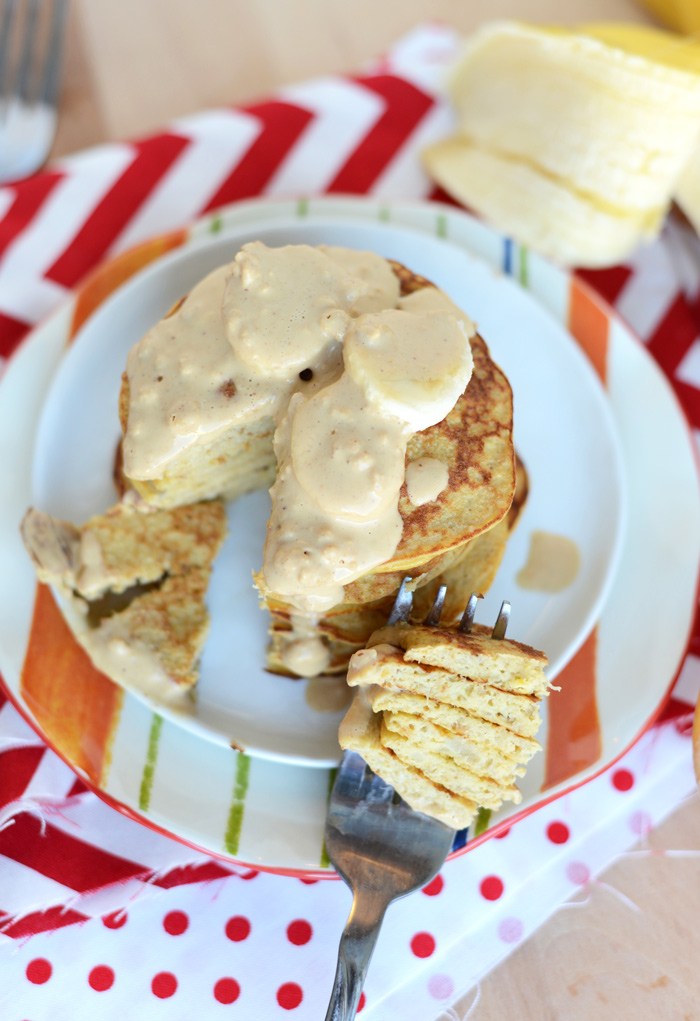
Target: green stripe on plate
{"points": [[216, 224], [302, 207], [150, 764], [523, 270], [232, 837], [441, 225]]}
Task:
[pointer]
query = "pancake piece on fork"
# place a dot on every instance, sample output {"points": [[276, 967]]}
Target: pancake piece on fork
{"points": [[448, 709]]}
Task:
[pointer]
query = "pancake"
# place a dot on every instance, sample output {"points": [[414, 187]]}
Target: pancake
{"points": [[456, 728], [360, 730], [387, 667], [348, 626], [475, 440], [506, 665], [198, 418], [133, 584], [459, 710], [479, 759], [447, 772], [235, 455], [226, 465]]}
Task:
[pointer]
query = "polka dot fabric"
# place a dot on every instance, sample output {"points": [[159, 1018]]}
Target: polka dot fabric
{"points": [[264, 946]]}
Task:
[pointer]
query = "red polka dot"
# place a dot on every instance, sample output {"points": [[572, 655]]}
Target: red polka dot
{"points": [[434, 887], [238, 928], [289, 995], [558, 832], [423, 944], [227, 990], [491, 887], [622, 779], [115, 920], [164, 985], [101, 978], [299, 932], [39, 971], [175, 922], [309, 882], [361, 1002], [502, 833], [250, 874]]}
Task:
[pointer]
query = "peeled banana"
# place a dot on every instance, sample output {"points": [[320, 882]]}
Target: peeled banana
{"points": [[571, 142]]}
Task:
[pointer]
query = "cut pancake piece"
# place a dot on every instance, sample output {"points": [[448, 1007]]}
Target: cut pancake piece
{"points": [[384, 665], [461, 709], [480, 759], [447, 772], [503, 663], [227, 464], [360, 730], [133, 583], [452, 728]]}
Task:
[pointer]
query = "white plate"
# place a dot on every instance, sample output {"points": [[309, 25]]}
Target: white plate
{"points": [[573, 469], [268, 813]]}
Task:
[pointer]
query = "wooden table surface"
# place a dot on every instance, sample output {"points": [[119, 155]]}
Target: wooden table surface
{"points": [[631, 950]]}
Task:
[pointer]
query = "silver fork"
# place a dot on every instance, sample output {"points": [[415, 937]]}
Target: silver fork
{"points": [[31, 43], [377, 843]]}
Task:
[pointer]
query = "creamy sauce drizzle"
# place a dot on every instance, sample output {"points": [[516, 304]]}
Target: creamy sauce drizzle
{"points": [[306, 657], [426, 477], [382, 368], [208, 365], [327, 694], [552, 564], [341, 453]]}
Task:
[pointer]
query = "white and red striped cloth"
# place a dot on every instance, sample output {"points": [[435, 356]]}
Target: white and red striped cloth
{"points": [[98, 914]]}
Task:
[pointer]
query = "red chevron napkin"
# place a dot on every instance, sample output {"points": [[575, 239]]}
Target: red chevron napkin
{"points": [[126, 917]]}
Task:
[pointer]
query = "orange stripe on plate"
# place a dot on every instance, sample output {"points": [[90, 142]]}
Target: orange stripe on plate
{"points": [[75, 705], [573, 736], [589, 324], [108, 277]]}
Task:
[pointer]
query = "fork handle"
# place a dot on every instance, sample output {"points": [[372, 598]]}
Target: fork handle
{"points": [[354, 952]]}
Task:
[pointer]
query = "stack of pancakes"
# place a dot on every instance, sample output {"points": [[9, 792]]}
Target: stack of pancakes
{"points": [[447, 718], [458, 539]]}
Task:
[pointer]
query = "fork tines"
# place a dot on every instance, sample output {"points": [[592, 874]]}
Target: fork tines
{"points": [[403, 604], [31, 38]]}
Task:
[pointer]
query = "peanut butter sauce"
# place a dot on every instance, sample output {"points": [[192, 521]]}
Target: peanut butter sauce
{"points": [[426, 477], [327, 694], [318, 339], [341, 453], [553, 562]]}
